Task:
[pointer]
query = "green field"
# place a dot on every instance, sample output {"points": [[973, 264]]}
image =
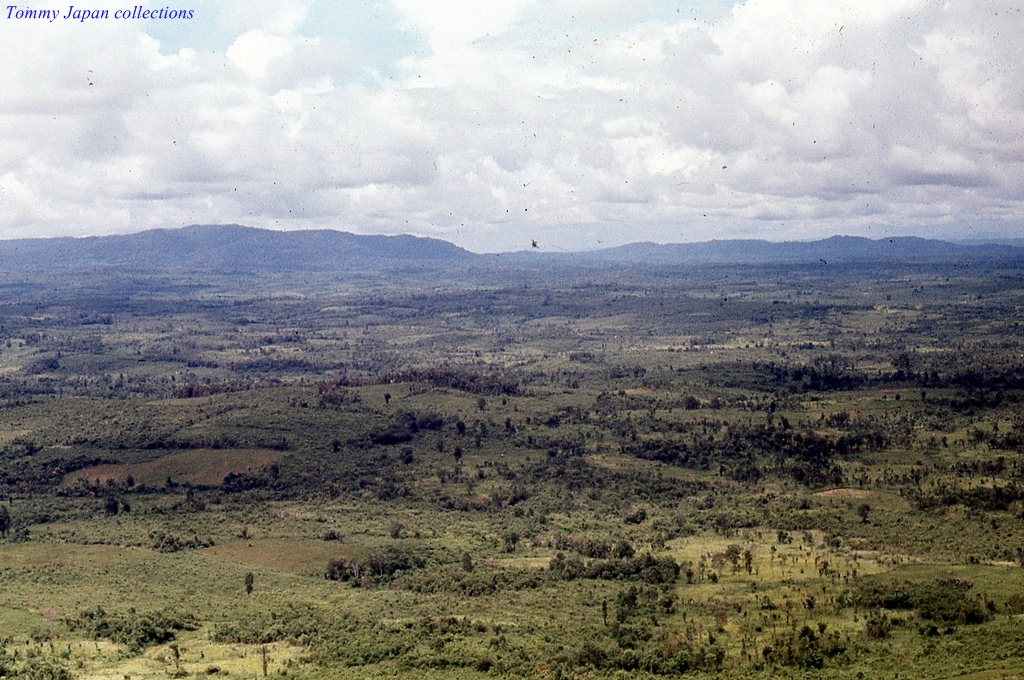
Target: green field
{"points": [[719, 472]]}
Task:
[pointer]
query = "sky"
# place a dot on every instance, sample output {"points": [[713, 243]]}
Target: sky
{"points": [[578, 124]]}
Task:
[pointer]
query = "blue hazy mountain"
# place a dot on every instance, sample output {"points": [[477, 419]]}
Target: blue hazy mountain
{"points": [[234, 248], [837, 249], [229, 248]]}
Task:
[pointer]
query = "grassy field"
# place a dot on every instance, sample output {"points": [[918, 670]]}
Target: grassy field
{"points": [[728, 472]]}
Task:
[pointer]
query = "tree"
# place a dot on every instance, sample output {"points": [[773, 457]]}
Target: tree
{"points": [[509, 541], [111, 506], [250, 581], [5, 520], [863, 511]]}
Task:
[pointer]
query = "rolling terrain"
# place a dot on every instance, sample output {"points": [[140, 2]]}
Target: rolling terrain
{"points": [[231, 452]]}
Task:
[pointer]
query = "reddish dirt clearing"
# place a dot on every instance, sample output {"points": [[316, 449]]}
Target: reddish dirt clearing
{"points": [[845, 492], [199, 466]]}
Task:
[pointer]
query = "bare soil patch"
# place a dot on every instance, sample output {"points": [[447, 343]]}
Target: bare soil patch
{"points": [[200, 466]]}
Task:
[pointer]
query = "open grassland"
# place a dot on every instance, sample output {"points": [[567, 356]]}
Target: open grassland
{"points": [[719, 473]]}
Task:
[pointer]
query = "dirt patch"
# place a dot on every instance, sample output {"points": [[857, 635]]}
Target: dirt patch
{"points": [[846, 493], [200, 466]]}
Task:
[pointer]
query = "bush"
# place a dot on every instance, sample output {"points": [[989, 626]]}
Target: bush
{"points": [[168, 543], [298, 624], [37, 668], [647, 568], [382, 565], [338, 570], [135, 631], [805, 649], [878, 625], [945, 600]]}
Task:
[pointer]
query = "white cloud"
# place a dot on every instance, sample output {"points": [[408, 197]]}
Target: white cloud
{"points": [[574, 121], [456, 22], [253, 52]]}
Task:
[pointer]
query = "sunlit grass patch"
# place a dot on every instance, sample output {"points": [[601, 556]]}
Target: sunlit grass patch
{"points": [[295, 556]]}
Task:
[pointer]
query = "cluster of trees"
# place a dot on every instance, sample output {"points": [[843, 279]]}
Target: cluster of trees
{"points": [[403, 427], [134, 630], [645, 568], [33, 667], [633, 646], [595, 548], [474, 382], [684, 658], [806, 648], [381, 565], [38, 474], [747, 452], [837, 372], [336, 394], [998, 497], [1009, 440], [5, 520], [208, 388], [166, 542], [947, 601]]}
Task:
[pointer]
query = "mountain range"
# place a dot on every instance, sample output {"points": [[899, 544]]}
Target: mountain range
{"points": [[235, 248]]}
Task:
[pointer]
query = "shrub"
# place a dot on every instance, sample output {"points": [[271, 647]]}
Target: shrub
{"points": [[945, 600], [878, 625], [338, 570], [135, 631], [646, 568]]}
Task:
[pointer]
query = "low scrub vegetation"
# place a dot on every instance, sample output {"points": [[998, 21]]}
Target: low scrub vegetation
{"points": [[740, 471]]}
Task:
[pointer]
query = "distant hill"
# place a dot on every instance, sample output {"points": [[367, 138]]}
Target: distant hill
{"points": [[837, 249], [234, 248], [230, 248]]}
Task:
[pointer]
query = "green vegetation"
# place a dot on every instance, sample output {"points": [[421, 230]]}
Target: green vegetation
{"points": [[715, 471]]}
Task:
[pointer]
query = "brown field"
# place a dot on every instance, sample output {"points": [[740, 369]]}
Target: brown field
{"points": [[846, 493], [199, 466]]}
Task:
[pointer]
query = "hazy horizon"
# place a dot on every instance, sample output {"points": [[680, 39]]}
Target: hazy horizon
{"points": [[538, 248]]}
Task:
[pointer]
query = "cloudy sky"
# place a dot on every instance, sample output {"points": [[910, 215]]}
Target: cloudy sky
{"points": [[489, 123]]}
